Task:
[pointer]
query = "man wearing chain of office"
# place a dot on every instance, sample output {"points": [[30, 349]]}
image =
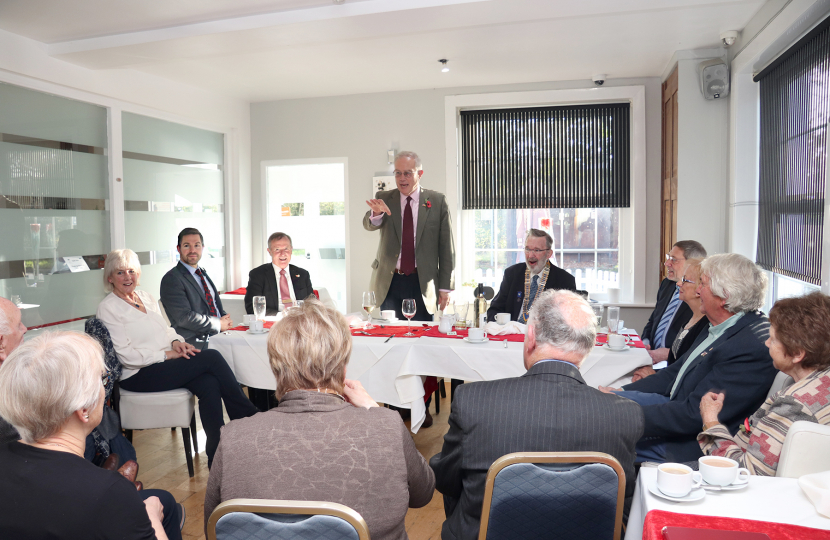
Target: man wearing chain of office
{"points": [[523, 282]]}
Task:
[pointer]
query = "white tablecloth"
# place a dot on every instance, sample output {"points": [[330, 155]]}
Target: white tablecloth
{"points": [[391, 372], [767, 498]]}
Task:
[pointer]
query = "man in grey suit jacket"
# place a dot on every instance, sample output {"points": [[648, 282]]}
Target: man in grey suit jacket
{"points": [[416, 256], [189, 296], [548, 409]]}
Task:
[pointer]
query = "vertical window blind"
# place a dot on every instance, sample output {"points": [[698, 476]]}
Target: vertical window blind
{"points": [[795, 110], [547, 157]]}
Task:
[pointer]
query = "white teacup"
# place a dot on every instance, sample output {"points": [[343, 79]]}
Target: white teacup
{"points": [[502, 318], [618, 341], [677, 480], [721, 471], [476, 334], [248, 319], [388, 314], [257, 326]]}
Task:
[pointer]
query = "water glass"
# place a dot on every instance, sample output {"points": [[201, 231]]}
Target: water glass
{"points": [[598, 309], [613, 319], [259, 307]]}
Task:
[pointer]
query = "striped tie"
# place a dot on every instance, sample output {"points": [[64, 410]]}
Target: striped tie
{"points": [[668, 315]]}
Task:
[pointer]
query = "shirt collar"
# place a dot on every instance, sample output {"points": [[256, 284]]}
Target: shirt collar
{"points": [[416, 196], [191, 269], [717, 331]]}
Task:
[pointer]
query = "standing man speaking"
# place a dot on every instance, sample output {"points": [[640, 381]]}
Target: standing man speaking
{"points": [[416, 245]]}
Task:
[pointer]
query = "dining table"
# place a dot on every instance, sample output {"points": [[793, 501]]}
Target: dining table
{"points": [[775, 506], [391, 369]]}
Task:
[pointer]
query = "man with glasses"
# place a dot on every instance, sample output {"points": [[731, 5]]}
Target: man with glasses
{"points": [[523, 282], [416, 245], [670, 314], [280, 282]]}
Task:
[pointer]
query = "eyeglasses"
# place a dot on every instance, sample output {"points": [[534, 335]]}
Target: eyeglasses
{"points": [[287, 251], [105, 379], [673, 259], [535, 251], [689, 281], [409, 175]]}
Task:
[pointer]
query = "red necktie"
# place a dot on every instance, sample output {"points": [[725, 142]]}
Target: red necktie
{"points": [[284, 294], [408, 240], [208, 297]]}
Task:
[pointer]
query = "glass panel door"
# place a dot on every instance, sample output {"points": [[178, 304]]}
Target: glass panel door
{"points": [[307, 202]]}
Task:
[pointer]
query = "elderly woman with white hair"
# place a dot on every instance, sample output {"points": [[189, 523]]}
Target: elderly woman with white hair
{"points": [[51, 391], [327, 440], [730, 357], [156, 359]]}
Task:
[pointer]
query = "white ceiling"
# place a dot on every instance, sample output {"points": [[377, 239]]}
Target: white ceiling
{"points": [[261, 50]]}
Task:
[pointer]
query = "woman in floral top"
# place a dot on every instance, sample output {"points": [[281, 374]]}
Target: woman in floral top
{"points": [[799, 347]]}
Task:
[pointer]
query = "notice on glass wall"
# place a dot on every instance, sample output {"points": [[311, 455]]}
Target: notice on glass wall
{"points": [[76, 264], [383, 183]]}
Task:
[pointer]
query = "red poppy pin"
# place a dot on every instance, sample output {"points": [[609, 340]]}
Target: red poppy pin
{"points": [[428, 204], [745, 427]]}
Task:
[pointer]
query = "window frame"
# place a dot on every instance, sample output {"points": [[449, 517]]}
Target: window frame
{"points": [[632, 247]]}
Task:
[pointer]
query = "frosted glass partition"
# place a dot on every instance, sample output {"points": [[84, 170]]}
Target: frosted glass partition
{"points": [[307, 203], [54, 204], [173, 178]]}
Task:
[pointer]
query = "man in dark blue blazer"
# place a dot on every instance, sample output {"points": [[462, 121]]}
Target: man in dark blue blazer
{"points": [[514, 296], [548, 409], [659, 340], [189, 297], [731, 357], [269, 281]]}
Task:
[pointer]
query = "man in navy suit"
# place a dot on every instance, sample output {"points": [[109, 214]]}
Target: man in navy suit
{"points": [[189, 296], [548, 409], [731, 357], [278, 281], [670, 314], [523, 281]]}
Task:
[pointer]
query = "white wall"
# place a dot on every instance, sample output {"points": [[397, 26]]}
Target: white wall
{"points": [[702, 165], [363, 127], [24, 62]]}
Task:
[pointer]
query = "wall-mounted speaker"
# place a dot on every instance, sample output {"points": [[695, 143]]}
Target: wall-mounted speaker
{"points": [[714, 78]]}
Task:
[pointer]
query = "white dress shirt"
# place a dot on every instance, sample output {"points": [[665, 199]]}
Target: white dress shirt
{"points": [[140, 339], [277, 271]]}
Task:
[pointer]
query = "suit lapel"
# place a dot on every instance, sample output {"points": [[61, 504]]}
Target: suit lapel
{"points": [[295, 281], [423, 214], [188, 279], [394, 204]]}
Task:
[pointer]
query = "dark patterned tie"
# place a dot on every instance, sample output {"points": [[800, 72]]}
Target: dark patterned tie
{"points": [[408, 240], [208, 296]]}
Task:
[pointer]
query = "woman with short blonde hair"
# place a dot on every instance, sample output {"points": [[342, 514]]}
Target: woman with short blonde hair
{"points": [[327, 440]]}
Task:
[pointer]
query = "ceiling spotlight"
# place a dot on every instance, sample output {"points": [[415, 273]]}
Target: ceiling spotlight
{"points": [[338, 2], [444, 67]]}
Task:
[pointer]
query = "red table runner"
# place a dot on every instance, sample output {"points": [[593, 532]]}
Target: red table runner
{"points": [[657, 519], [419, 329], [267, 325]]}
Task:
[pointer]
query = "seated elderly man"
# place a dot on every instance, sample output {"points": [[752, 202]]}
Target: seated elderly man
{"points": [[731, 358], [548, 409]]}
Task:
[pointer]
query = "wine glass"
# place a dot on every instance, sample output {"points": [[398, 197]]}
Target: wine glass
{"points": [[259, 307], [368, 305], [408, 308]]}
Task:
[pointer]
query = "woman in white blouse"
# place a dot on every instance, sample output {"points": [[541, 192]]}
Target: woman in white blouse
{"points": [[156, 359]]}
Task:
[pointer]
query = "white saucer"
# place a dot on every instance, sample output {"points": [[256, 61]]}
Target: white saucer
{"points": [[694, 495], [625, 348], [736, 485], [252, 331], [468, 340]]}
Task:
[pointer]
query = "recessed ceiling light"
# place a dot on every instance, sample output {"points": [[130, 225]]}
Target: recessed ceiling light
{"points": [[444, 67], [338, 2]]}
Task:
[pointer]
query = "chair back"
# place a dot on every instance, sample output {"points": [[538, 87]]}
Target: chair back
{"points": [[806, 450], [779, 382], [96, 328], [572, 495], [242, 519]]}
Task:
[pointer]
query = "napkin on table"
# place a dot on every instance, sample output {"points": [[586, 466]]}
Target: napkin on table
{"points": [[817, 488], [496, 329]]}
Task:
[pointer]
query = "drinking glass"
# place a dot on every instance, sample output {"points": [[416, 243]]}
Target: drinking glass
{"points": [[461, 309], [613, 319], [408, 308], [259, 307], [598, 309], [368, 305]]}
